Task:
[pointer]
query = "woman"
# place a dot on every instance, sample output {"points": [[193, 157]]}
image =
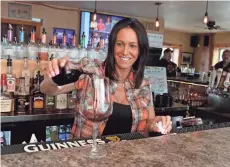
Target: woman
{"points": [[131, 93]]}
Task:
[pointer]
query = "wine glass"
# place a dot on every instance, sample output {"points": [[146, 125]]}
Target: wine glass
{"points": [[95, 106]]}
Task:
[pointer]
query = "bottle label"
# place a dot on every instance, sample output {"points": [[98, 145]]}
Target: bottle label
{"points": [[38, 101], [22, 103], [50, 101], [11, 84], [61, 101], [6, 105]]}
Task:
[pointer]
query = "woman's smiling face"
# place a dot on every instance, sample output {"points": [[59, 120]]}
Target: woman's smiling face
{"points": [[126, 49]]}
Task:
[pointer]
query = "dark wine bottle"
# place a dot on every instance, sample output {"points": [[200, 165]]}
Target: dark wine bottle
{"points": [[65, 77]]}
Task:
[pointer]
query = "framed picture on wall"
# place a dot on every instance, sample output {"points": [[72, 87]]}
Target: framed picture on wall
{"points": [[186, 58], [19, 11]]}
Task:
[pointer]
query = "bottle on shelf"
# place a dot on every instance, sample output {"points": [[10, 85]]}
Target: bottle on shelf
{"points": [[11, 81], [38, 69], [61, 102], [43, 49], [53, 46], [73, 51], [50, 100], [9, 49], [22, 98], [6, 100], [38, 98], [26, 74], [32, 47], [21, 47]]}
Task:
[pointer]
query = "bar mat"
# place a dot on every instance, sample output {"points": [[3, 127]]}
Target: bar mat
{"points": [[201, 127], [124, 136]]}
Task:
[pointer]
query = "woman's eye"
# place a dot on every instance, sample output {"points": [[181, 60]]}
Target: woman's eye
{"points": [[119, 44], [133, 46]]}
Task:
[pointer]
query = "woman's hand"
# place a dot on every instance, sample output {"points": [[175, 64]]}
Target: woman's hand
{"points": [[55, 65], [166, 124]]}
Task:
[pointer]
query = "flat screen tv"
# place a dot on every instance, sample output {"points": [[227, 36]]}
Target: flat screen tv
{"points": [[105, 24]]}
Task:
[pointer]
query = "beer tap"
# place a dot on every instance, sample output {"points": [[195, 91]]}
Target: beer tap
{"points": [[219, 74], [213, 77], [227, 82]]}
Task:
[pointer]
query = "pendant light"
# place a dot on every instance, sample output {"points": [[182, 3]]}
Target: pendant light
{"points": [[157, 23], [93, 23], [206, 14]]}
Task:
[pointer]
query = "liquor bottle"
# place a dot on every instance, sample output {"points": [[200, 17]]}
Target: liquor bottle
{"points": [[53, 46], [37, 69], [9, 48], [3, 46], [38, 98], [72, 100], [73, 51], [50, 100], [83, 40], [49, 103], [6, 101], [61, 102], [64, 39], [11, 81], [101, 42], [32, 47], [22, 98], [21, 47], [66, 77], [43, 49], [26, 74]]}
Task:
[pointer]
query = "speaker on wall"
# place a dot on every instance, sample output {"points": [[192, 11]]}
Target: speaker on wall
{"points": [[194, 41], [206, 40]]}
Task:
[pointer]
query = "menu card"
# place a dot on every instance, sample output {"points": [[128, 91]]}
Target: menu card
{"points": [[155, 40], [158, 79]]}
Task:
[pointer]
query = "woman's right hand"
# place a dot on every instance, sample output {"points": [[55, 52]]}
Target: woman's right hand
{"points": [[55, 65]]}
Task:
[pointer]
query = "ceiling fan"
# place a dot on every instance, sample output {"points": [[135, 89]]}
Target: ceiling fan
{"points": [[211, 25]]}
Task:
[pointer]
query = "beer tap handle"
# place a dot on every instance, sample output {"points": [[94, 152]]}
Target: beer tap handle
{"points": [[213, 78], [227, 82], [219, 74]]}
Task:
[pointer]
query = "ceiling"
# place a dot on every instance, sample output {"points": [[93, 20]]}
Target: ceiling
{"points": [[178, 15]]}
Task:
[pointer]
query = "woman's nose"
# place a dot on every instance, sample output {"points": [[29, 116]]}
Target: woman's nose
{"points": [[126, 50]]}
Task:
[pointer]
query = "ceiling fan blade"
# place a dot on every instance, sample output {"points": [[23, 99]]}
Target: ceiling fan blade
{"points": [[199, 27]]}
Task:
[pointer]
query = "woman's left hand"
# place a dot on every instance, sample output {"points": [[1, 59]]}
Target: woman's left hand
{"points": [[166, 124]]}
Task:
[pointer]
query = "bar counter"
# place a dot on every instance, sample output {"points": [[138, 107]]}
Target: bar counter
{"points": [[208, 148], [70, 114]]}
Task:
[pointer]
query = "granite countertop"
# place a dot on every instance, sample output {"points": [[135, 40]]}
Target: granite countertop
{"points": [[204, 149]]}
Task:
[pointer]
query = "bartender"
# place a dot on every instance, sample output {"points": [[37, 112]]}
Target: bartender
{"points": [[225, 64], [166, 62]]}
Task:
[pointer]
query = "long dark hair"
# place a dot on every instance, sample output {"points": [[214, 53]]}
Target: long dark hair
{"points": [[139, 65]]}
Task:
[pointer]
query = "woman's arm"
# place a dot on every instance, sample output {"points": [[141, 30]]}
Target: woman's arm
{"points": [[56, 75], [49, 88]]}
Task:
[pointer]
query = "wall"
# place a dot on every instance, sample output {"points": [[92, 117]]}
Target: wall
{"points": [[178, 38], [222, 38], [51, 18]]}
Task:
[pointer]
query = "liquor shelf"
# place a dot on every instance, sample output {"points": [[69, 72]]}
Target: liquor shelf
{"points": [[70, 114], [190, 149]]}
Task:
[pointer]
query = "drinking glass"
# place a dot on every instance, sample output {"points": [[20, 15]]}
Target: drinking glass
{"points": [[95, 106]]}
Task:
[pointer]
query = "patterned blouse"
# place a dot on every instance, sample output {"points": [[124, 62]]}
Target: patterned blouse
{"points": [[140, 99]]}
